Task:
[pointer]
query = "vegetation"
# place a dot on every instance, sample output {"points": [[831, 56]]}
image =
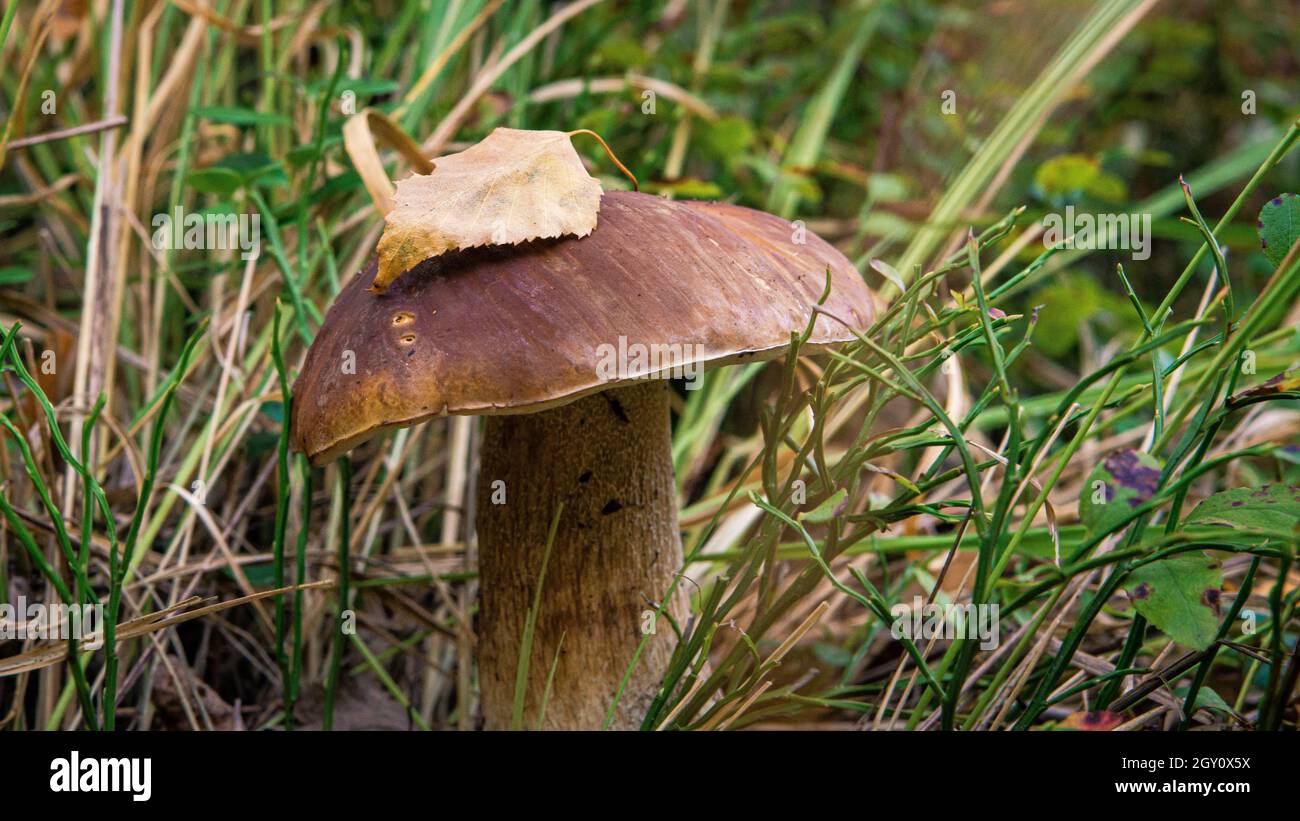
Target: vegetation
{"points": [[1096, 445]]}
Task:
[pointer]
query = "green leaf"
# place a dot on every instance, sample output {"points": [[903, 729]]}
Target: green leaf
{"points": [[301, 155], [1126, 479], [258, 575], [888, 187], [220, 181], [1206, 699], [14, 275], [1269, 507], [1180, 595], [827, 510], [688, 188], [832, 655], [600, 120], [360, 86], [727, 137], [235, 171], [1067, 302], [1279, 226], [1069, 175], [254, 167], [620, 53], [261, 442], [274, 410], [240, 116], [220, 208]]}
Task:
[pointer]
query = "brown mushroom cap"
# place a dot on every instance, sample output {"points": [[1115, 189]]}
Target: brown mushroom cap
{"points": [[519, 329]]}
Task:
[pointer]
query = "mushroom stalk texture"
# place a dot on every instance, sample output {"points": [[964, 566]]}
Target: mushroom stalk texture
{"points": [[615, 553]]}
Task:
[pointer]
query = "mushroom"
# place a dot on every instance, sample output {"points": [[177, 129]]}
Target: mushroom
{"points": [[553, 342]]}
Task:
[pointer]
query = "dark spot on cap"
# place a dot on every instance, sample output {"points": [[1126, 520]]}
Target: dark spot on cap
{"points": [[612, 506], [585, 477]]}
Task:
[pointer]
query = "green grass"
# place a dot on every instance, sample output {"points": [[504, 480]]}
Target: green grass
{"points": [[175, 366]]}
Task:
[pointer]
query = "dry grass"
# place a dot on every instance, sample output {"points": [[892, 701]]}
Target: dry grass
{"points": [[152, 96]]}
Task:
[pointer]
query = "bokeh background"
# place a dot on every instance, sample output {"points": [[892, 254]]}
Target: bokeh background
{"points": [[872, 122]]}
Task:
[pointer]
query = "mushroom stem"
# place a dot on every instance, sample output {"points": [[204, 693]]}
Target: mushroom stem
{"points": [[608, 458]]}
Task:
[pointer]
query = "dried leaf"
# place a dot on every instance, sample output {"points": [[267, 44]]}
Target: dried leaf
{"points": [[512, 187], [1280, 387], [1097, 721], [171, 701], [361, 703], [887, 271]]}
